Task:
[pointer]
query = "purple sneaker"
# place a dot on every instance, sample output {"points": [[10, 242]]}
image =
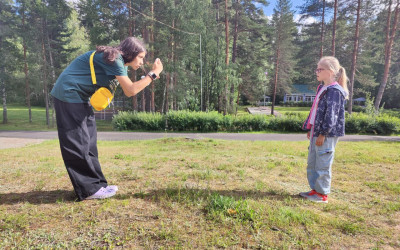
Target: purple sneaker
{"points": [[112, 188]]}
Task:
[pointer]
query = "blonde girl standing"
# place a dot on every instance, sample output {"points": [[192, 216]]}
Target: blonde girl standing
{"points": [[325, 124]]}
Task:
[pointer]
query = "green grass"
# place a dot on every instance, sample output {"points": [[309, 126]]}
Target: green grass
{"points": [[292, 109], [202, 194], [18, 119]]}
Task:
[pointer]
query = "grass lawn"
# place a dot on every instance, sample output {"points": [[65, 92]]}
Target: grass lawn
{"points": [[202, 194], [18, 119]]}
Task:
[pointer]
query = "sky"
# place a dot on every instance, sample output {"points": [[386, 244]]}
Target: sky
{"points": [[268, 11]]}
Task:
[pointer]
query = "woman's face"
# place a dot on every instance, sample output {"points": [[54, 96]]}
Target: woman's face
{"points": [[323, 74], [138, 61]]}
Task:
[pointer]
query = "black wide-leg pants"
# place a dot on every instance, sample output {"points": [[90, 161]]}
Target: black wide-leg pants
{"points": [[77, 134]]}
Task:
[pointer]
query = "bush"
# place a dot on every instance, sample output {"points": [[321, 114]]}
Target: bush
{"points": [[193, 121], [214, 122], [392, 112], [286, 124], [387, 125], [296, 104], [139, 121], [365, 124], [357, 108], [249, 123]]}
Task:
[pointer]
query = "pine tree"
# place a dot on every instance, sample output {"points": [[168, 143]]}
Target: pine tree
{"points": [[285, 31]]}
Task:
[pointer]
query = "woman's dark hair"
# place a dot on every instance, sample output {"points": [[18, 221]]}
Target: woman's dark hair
{"points": [[128, 48]]}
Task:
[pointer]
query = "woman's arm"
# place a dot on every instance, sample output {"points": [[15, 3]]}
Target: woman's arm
{"points": [[132, 88]]}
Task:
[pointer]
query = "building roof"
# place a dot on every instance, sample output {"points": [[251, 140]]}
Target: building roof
{"points": [[360, 99], [303, 89]]}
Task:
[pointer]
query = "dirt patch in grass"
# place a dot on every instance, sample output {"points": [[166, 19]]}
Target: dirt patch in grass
{"points": [[17, 142]]}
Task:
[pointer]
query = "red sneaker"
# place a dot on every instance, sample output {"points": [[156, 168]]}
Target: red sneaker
{"points": [[309, 193], [317, 197]]}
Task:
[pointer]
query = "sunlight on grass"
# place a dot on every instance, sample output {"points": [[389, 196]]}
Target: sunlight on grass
{"points": [[183, 194]]}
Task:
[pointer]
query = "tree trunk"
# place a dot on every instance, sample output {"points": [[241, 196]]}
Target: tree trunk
{"points": [[172, 74], [321, 53], [152, 86], [134, 98], [388, 54], [4, 98], [175, 101], [237, 100], [4, 95], [226, 57], [131, 31], [46, 96], [143, 100], [3, 89], [167, 93], [145, 35], [354, 61], [275, 80], [53, 78], [334, 27], [235, 33], [234, 54], [218, 89], [27, 87], [277, 55]]}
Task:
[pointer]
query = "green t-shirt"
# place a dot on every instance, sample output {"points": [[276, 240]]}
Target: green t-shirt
{"points": [[74, 85]]}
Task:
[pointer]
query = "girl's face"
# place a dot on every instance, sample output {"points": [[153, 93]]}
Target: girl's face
{"points": [[323, 74], [138, 61]]}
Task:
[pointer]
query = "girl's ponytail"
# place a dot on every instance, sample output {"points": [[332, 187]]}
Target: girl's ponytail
{"points": [[109, 53], [332, 63], [342, 79]]}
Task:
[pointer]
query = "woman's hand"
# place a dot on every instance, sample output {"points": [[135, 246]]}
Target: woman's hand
{"points": [[157, 67], [320, 140], [308, 135]]}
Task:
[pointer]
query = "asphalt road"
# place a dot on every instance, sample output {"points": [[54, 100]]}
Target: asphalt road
{"points": [[121, 136]]}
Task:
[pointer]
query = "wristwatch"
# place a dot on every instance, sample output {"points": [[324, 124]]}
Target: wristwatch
{"points": [[152, 75]]}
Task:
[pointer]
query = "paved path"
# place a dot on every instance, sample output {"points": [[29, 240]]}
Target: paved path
{"points": [[262, 110], [12, 139]]}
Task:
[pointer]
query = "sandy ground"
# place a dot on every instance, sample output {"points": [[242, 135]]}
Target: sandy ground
{"points": [[17, 142]]}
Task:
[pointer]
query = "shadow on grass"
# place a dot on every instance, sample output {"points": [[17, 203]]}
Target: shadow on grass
{"points": [[38, 197], [175, 194], [185, 194]]}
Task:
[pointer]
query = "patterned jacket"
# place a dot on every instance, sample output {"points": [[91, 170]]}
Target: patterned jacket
{"points": [[329, 118]]}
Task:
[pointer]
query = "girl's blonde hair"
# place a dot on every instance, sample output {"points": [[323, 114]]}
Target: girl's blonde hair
{"points": [[332, 63]]}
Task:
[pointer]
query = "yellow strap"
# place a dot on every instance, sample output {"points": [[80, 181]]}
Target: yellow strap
{"points": [[92, 68]]}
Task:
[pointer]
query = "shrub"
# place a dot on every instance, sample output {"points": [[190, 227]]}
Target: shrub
{"points": [[193, 121], [249, 123], [362, 123], [387, 125], [213, 122], [357, 108], [139, 121], [286, 123]]}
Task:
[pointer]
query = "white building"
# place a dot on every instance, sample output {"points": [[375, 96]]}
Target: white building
{"points": [[300, 93]]}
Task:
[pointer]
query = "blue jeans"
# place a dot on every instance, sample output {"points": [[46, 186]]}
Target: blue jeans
{"points": [[319, 164]]}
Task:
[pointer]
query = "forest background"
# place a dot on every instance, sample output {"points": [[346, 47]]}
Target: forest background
{"points": [[215, 53]]}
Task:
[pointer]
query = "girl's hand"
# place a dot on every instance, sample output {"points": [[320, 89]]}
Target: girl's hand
{"points": [[320, 140], [308, 135], [157, 67]]}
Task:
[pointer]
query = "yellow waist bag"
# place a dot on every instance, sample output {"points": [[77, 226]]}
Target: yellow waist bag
{"points": [[102, 97]]}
